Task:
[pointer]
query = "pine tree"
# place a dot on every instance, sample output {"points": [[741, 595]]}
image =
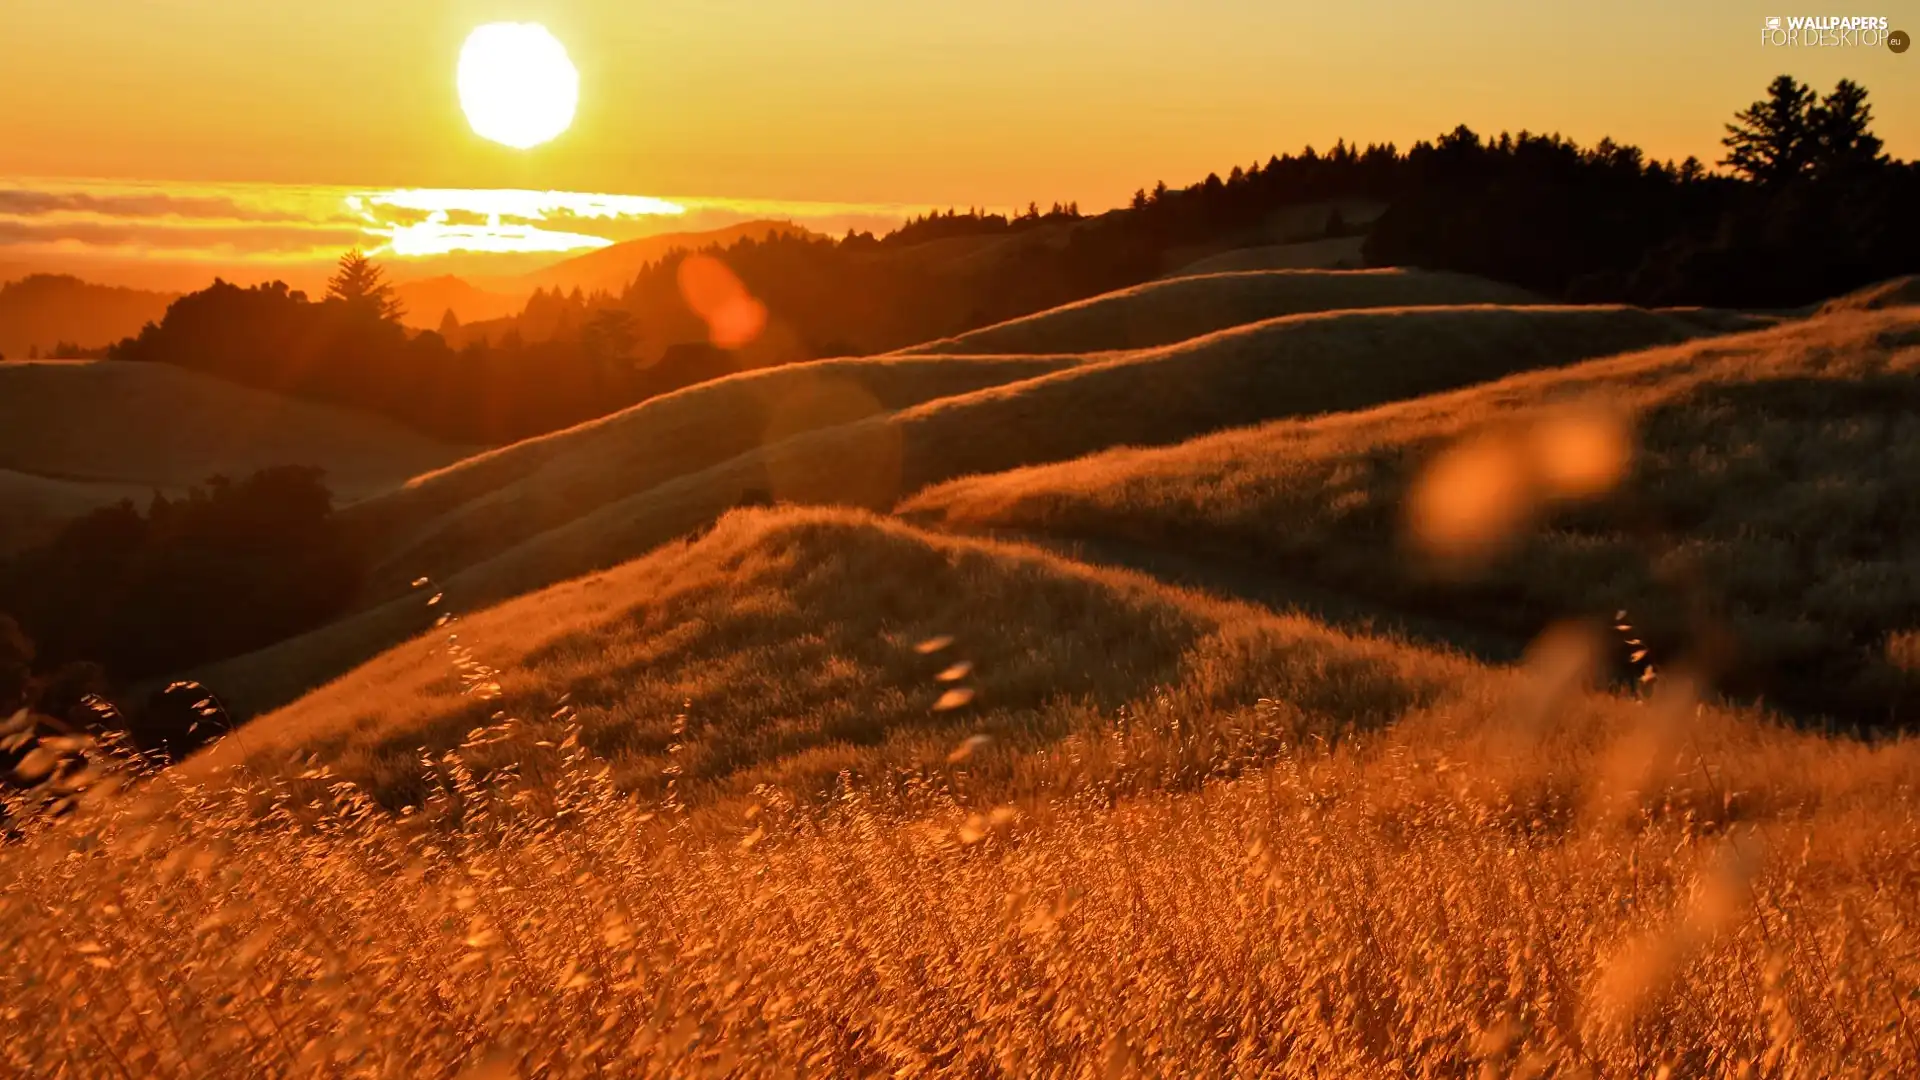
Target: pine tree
{"points": [[1770, 141], [1839, 141], [449, 324], [360, 283]]}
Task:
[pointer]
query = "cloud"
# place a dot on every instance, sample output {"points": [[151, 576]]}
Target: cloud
{"points": [[29, 203], [212, 237], [281, 224]]}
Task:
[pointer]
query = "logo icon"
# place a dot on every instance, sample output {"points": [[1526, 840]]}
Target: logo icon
{"points": [[1898, 41], [1773, 22]]}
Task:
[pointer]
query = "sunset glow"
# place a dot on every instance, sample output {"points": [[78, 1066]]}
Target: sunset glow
{"points": [[132, 231], [500, 221]]}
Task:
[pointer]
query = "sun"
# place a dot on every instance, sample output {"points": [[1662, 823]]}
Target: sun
{"points": [[517, 85]]}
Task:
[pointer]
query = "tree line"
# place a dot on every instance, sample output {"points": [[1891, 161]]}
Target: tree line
{"points": [[1811, 206]]}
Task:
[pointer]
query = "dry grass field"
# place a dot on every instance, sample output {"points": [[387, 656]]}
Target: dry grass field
{"points": [[1177, 309], [158, 426], [1773, 484], [652, 787], [709, 814]]}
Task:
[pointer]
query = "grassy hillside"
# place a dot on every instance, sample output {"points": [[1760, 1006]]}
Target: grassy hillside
{"points": [[1165, 312], [157, 425], [1290, 366], [1772, 485], [1200, 839]]}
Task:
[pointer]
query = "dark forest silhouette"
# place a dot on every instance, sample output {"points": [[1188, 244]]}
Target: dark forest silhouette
{"points": [[1810, 206]]}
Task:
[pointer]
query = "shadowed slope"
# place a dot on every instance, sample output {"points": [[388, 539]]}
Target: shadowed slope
{"points": [[1775, 472], [1164, 312], [1292, 366], [158, 425]]}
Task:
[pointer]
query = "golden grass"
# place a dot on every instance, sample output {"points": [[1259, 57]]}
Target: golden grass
{"points": [[1290, 366], [1773, 470], [101, 421], [1252, 847], [1173, 310]]}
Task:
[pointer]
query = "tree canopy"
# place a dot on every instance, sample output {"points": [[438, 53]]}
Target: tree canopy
{"points": [[360, 283]]}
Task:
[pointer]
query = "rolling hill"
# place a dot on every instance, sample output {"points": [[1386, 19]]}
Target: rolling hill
{"points": [[502, 496], [74, 435], [41, 310], [612, 269], [1039, 409], [508, 537]]}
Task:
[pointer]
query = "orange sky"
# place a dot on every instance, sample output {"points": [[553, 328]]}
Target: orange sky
{"points": [[876, 101]]}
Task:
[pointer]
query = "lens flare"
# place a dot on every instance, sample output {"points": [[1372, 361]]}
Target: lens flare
{"points": [[734, 318]]}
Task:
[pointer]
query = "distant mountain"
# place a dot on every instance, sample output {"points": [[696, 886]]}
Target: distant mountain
{"points": [[488, 298], [41, 310], [612, 269], [428, 300]]}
